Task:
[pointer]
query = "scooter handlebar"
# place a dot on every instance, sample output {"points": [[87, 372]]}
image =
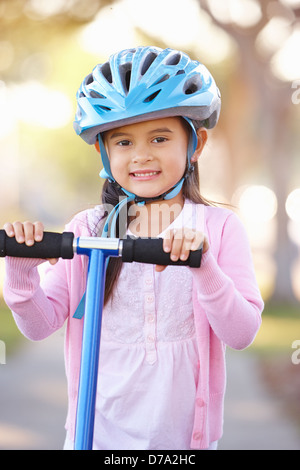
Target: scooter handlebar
{"points": [[61, 245], [150, 250], [53, 245]]}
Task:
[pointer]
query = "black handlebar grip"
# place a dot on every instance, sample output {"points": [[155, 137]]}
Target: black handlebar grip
{"points": [[150, 250], [53, 245]]}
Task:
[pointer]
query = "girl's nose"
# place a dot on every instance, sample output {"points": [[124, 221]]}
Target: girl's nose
{"points": [[141, 155]]}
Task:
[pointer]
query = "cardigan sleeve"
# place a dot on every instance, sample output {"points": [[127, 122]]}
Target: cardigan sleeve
{"points": [[41, 303], [36, 313], [226, 286]]}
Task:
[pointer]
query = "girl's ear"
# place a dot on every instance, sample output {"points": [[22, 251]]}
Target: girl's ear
{"points": [[97, 146], [202, 139]]}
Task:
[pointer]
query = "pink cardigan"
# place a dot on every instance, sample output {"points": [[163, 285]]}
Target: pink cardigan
{"points": [[226, 298]]}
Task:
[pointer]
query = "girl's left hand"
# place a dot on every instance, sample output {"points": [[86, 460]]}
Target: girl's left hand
{"points": [[179, 243]]}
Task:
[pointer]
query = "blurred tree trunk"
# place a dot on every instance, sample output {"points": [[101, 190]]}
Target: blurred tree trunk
{"points": [[274, 98]]}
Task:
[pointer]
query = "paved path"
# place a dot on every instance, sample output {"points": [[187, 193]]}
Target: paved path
{"points": [[33, 397], [33, 403], [254, 420]]}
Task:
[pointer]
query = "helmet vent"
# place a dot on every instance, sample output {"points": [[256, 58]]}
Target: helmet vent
{"points": [[192, 85], [163, 79], [174, 59], [106, 72], [103, 108], [127, 80], [125, 73], [94, 94], [89, 79], [148, 62], [152, 97]]}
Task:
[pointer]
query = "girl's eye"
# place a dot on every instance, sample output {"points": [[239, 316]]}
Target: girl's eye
{"points": [[159, 140], [124, 143]]}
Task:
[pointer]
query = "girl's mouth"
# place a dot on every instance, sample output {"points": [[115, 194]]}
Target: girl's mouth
{"points": [[143, 175]]}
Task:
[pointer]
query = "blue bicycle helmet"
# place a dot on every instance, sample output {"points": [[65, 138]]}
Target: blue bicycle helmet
{"points": [[141, 84], [144, 83]]}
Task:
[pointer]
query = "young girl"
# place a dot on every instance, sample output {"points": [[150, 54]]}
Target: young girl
{"points": [[165, 329]]}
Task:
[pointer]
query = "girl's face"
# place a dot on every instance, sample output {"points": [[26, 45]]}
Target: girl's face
{"points": [[148, 158]]}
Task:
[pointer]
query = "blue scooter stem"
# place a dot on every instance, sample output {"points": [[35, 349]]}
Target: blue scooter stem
{"points": [[90, 348], [90, 352]]}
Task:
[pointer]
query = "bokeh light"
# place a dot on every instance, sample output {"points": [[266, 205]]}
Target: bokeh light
{"points": [[244, 13], [273, 35], [43, 8], [293, 211], [291, 3], [293, 205], [258, 204], [257, 207], [93, 37], [192, 23], [285, 64], [38, 105]]}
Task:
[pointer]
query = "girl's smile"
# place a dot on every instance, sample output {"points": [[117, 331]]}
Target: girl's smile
{"points": [[145, 175]]}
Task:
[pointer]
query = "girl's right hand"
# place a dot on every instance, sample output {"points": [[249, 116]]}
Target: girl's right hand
{"points": [[27, 232]]}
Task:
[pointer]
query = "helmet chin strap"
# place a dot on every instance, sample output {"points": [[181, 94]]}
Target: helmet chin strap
{"points": [[170, 194]]}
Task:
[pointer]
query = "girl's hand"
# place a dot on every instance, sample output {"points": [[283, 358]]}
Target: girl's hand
{"points": [[26, 232], [180, 242]]}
